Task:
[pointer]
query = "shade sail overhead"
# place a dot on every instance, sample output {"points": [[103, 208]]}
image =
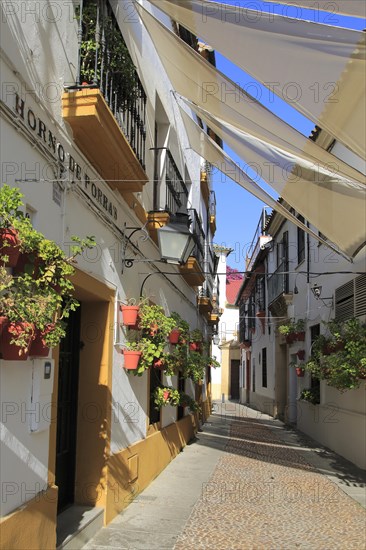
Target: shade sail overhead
{"points": [[320, 195], [353, 8], [319, 69], [194, 78], [204, 146]]}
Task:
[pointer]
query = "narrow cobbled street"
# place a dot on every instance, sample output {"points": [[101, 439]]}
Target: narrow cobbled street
{"points": [[246, 482]]}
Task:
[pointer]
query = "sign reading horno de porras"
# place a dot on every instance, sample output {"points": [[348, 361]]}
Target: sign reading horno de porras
{"points": [[67, 162]]}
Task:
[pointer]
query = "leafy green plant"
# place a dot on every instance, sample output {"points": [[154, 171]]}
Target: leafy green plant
{"points": [[182, 325], [114, 56], [345, 366], [155, 323], [311, 394], [165, 395], [196, 335], [186, 400], [291, 326]]}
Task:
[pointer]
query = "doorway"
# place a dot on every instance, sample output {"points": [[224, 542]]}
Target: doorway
{"points": [[67, 412], [234, 378]]}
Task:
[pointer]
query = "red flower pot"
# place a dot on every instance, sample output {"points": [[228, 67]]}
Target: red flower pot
{"points": [[301, 354], [174, 336], [159, 364], [10, 352], [300, 336], [166, 395], [129, 315], [132, 359], [195, 346], [290, 338], [28, 263], [300, 371], [38, 346], [9, 245]]}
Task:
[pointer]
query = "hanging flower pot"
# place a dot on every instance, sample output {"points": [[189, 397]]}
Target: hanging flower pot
{"points": [[9, 245], [166, 395], [300, 371], [300, 336], [12, 352], [174, 336], [28, 263], [129, 315], [132, 359], [291, 338], [38, 347], [301, 354], [195, 346]]}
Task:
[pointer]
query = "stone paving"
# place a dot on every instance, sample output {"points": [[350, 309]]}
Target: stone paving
{"points": [[246, 483], [264, 495]]}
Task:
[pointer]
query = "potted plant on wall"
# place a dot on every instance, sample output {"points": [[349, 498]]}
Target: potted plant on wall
{"points": [[196, 339], [165, 395], [346, 366], [35, 305], [179, 334], [293, 330]]}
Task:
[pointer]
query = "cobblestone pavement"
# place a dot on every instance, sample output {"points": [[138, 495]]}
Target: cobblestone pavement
{"points": [[264, 495], [247, 482]]}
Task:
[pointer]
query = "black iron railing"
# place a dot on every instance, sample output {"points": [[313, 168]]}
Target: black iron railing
{"points": [[198, 235], [254, 247], [176, 189], [105, 63], [278, 283], [245, 334]]}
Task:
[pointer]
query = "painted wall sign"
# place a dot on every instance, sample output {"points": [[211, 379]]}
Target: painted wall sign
{"points": [[65, 159]]}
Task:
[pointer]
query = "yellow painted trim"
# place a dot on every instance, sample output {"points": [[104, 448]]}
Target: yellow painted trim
{"points": [[154, 221], [192, 272], [98, 135], [205, 190], [33, 525], [154, 454]]}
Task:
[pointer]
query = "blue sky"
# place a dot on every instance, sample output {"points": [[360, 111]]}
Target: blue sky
{"points": [[237, 210]]}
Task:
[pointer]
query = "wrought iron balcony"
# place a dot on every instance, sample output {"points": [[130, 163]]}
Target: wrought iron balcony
{"points": [[278, 283], [106, 85], [259, 238], [171, 192], [198, 235]]}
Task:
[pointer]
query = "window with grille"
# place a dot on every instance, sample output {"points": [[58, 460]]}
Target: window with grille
{"points": [[264, 367], [300, 241], [260, 293]]}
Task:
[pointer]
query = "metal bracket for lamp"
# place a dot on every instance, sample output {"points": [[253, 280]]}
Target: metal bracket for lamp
{"points": [[176, 242], [317, 290]]}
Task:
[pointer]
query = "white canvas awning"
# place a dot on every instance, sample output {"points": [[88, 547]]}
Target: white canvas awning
{"points": [[204, 146], [319, 69], [320, 195], [352, 8]]}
